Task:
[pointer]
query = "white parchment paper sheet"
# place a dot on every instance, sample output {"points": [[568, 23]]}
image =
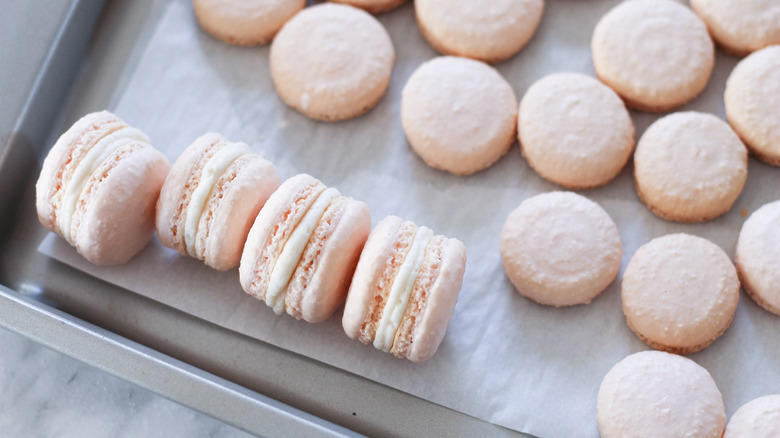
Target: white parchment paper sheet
{"points": [[505, 359]]}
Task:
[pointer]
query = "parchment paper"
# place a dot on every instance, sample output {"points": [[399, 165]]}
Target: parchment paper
{"points": [[505, 359]]}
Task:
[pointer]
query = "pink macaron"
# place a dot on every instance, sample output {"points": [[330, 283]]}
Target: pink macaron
{"points": [[405, 289], [210, 198], [303, 247], [98, 188]]}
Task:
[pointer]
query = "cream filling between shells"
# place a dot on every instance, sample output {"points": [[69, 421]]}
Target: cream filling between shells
{"points": [[293, 250], [86, 167], [399, 294], [208, 178]]}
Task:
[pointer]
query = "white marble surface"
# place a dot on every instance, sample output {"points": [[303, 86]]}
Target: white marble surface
{"points": [[47, 394]]}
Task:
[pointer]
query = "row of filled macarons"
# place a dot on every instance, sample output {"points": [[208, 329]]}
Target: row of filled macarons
{"points": [[679, 291], [301, 246]]}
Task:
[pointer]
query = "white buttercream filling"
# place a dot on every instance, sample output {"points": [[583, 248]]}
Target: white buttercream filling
{"points": [[208, 178], [96, 155], [401, 290], [293, 250]]}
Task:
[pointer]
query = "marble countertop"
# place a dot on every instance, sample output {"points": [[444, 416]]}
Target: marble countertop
{"points": [[47, 394]]}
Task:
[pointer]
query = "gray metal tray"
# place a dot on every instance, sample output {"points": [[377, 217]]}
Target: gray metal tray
{"points": [[61, 60]]}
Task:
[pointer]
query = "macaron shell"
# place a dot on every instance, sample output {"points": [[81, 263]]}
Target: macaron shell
{"points": [[85, 131], [243, 198], [652, 394], [118, 218], [679, 293], [740, 26], [657, 55], [759, 418], [752, 98], [338, 258], [243, 22], [758, 256], [441, 303], [269, 217], [369, 269]]}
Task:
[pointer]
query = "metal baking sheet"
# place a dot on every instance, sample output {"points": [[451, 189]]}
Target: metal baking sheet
{"points": [[252, 385]]}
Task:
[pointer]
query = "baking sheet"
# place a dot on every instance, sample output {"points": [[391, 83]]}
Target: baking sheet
{"points": [[505, 359]]}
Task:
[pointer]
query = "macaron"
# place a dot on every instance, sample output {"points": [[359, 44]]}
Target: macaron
{"points": [[404, 290], [680, 293], [210, 199], [574, 130], [302, 249], [740, 26], [690, 167], [752, 100], [758, 256], [98, 188], [245, 22], [657, 394], [332, 62], [459, 115], [373, 6], [656, 54], [486, 30], [759, 418], [560, 249]]}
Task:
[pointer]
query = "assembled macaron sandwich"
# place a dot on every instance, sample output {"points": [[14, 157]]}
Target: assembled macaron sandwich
{"points": [[98, 188], [210, 198], [405, 289], [303, 247]]}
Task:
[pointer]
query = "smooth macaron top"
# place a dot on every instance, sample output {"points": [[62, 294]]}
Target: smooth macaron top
{"points": [[404, 290], [758, 256], [690, 167], [574, 130], [759, 418], [303, 247], [652, 394], [752, 100], [459, 114], [245, 22], [679, 293], [332, 62], [740, 26], [98, 187], [486, 30], [210, 199], [560, 249], [656, 54]]}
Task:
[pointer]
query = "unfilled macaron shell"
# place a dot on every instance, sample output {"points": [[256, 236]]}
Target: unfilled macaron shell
{"points": [[759, 418], [741, 26], [328, 230], [560, 249], [110, 177], [574, 130], [656, 54], [655, 394], [230, 196], [752, 100], [332, 62], [758, 256], [690, 167], [459, 115], [245, 22], [487, 30], [680, 293], [432, 293], [373, 6]]}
